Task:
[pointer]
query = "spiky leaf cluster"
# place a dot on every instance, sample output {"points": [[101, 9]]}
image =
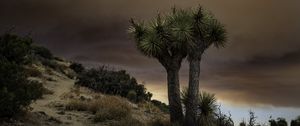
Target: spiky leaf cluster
{"points": [[208, 29], [165, 34], [186, 31]]}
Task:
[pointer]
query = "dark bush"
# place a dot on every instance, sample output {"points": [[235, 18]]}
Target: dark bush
{"points": [[77, 67], [43, 55], [16, 91], [243, 123], [278, 122], [132, 96], [31, 72], [59, 59], [42, 52], [162, 106], [296, 122], [112, 82], [54, 65], [15, 49], [49, 63]]}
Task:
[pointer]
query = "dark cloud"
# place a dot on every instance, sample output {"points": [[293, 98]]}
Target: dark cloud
{"points": [[260, 60], [260, 80], [290, 58]]}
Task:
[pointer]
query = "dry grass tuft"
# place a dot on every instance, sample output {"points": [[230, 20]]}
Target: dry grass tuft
{"points": [[109, 108], [128, 121], [77, 105], [109, 102], [104, 108], [160, 122], [149, 107]]}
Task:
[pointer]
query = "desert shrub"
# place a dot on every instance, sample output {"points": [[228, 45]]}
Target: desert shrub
{"points": [[42, 52], [281, 122], [49, 63], [70, 74], [162, 106], [109, 108], [15, 49], [77, 67], [112, 103], [243, 123], [104, 114], [77, 105], [108, 81], [296, 122], [31, 72], [132, 96], [128, 121], [278, 122], [104, 108], [59, 59], [150, 108], [16, 91], [55, 66], [17, 99]]}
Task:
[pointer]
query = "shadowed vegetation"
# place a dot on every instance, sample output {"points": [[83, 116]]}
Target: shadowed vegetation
{"points": [[104, 108], [16, 91], [279, 122], [296, 122], [108, 81], [208, 113]]}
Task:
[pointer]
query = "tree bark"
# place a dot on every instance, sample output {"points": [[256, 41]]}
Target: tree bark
{"points": [[193, 93], [175, 107]]}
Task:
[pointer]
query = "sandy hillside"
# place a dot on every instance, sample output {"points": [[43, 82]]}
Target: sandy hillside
{"points": [[51, 109], [52, 104]]}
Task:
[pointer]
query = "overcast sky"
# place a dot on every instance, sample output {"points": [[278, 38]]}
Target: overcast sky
{"points": [[260, 65]]}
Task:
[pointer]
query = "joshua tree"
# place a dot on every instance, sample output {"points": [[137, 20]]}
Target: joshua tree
{"points": [[167, 39], [170, 39], [207, 31]]}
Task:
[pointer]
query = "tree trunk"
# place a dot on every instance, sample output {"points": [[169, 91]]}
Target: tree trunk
{"points": [[175, 107], [193, 92]]}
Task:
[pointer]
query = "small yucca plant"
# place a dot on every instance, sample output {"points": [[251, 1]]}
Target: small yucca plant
{"points": [[206, 107]]}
